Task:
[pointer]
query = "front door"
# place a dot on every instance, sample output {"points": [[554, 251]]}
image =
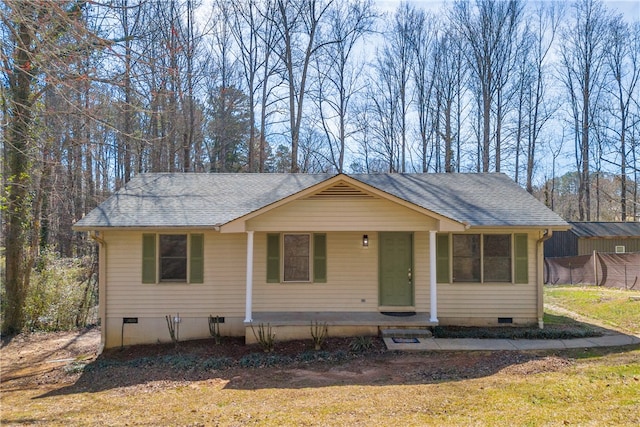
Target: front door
{"points": [[396, 269]]}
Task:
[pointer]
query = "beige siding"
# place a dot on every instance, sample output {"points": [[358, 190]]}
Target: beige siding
{"points": [[344, 290], [342, 215], [352, 285], [352, 282], [352, 278], [223, 289]]}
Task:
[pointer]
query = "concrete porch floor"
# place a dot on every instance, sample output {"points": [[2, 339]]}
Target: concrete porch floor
{"points": [[342, 318]]}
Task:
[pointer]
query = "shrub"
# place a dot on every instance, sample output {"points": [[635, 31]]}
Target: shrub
{"points": [[549, 332], [61, 295], [214, 328], [265, 337], [260, 360], [217, 363], [319, 333], [361, 344]]}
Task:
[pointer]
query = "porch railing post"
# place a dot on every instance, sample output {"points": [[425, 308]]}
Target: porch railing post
{"points": [[433, 310], [249, 291]]}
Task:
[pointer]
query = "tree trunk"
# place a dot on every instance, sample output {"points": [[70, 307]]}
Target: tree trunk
{"points": [[19, 180]]}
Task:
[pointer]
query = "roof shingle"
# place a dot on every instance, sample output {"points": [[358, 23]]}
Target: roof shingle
{"points": [[208, 200]]}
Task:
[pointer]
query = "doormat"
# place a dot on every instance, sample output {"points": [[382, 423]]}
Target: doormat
{"points": [[405, 340], [399, 313]]}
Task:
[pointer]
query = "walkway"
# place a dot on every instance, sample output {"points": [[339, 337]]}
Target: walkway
{"points": [[477, 344]]}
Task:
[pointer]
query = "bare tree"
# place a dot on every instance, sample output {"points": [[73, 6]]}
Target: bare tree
{"points": [[449, 81], [384, 97], [490, 31], [400, 58], [338, 73], [253, 28], [534, 107], [582, 53], [623, 60], [299, 24], [424, 74]]}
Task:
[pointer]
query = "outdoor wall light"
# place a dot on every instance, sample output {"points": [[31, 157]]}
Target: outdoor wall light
{"points": [[365, 240]]}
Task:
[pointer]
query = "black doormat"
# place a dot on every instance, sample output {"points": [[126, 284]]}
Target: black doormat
{"points": [[398, 340], [399, 313]]}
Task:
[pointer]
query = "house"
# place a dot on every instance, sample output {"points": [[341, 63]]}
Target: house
{"points": [[359, 252], [586, 237]]}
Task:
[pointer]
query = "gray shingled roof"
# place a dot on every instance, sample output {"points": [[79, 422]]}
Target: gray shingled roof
{"points": [[207, 200], [487, 199], [606, 229], [193, 200]]}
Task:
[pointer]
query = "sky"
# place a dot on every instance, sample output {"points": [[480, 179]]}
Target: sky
{"points": [[630, 9]]}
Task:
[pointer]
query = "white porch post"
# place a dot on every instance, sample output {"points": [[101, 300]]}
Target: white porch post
{"points": [[432, 276], [249, 291]]}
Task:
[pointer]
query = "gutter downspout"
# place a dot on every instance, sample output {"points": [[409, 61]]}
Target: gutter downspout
{"points": [[102, 287], [546, 235]]}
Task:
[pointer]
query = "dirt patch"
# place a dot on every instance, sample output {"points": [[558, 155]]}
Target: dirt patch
{"points": [[66, 362], [39, 358]]}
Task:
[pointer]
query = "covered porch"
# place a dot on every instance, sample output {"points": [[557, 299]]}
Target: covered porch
{"points": [[297, 325]]}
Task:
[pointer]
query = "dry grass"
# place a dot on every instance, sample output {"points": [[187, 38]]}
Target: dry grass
{"points": [[613, 307], [578, 387], [603, 389]]}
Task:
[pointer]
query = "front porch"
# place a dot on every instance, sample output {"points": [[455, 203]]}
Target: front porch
{"points": [[297, 325]]}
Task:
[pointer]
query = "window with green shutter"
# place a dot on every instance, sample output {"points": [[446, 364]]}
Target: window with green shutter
{"points": [[521, 266], [273, 258], [482, 258], [301, 258], [148, 258], [442, 258], [165, 258]]}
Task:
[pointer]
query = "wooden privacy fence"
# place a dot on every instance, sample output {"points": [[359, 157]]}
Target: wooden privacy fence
{"points": [[601, 269]]}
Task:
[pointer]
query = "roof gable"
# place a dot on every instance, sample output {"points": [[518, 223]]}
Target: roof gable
{"points": [[339, 187]]}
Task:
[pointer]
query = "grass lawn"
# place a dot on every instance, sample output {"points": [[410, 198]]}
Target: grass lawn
{"points": [[585, 387], [612, 307], [568, 388]]}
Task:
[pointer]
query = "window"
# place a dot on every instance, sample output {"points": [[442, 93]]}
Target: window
{"points": [[466, 257], [296, 257], [497, 257], [301, 258], [172, 258], [482, 258]]}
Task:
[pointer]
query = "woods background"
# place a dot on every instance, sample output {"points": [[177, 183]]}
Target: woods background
{"points": [[95, 92]]}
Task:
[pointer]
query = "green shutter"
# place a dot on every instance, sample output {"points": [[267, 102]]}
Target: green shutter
{"points": [[273, 258], [196, 260], [442, 258], [521, 258], [320, 258], [148, 258]]}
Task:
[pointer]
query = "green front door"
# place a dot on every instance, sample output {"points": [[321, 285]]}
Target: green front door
{"points": [[396, 269]]}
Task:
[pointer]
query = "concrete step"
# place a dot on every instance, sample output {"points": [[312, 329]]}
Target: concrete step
{"points": [[406, 333]]}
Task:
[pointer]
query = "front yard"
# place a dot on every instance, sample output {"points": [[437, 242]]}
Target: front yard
{"points": [[55, 380], [614, 308]]}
